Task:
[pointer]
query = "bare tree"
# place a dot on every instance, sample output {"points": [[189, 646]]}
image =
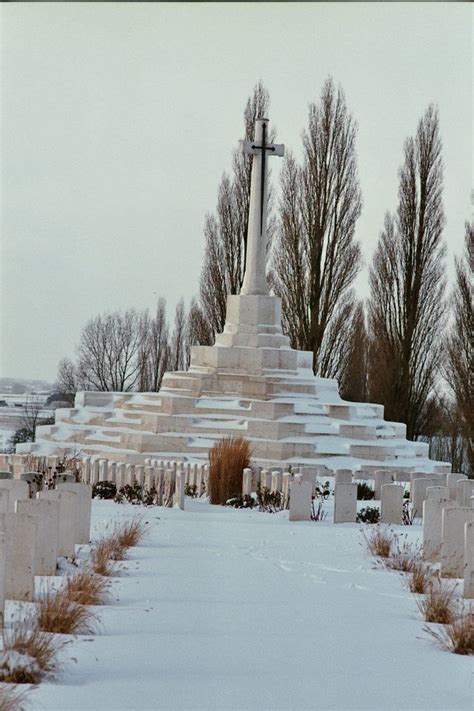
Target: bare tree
{"points": [[178, 342], [406, 307], [316, 258], [458, 367], [67, 381], [353, 369], [108, 351], [159, 347], [226, 231]]}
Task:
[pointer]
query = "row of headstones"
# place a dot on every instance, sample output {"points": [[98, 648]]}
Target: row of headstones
{"points": [[388, 489], [448, 529], [169, 479], [35, 532]]}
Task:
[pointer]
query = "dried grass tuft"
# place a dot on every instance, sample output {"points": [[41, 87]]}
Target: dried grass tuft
{"points": [[101, 556], [129, 533], [379, 541], [458, 636], [403, 556], [58, 614], [12, 698], [87, 588], [227, 460], [439, 604], [28, 653], [420, 578]]}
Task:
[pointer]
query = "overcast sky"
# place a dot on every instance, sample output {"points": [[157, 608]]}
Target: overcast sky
{"points": [[119, 119]]}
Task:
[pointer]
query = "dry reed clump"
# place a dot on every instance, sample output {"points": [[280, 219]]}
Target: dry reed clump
{"points": [[129, 533], [101, 557], [420, 577], [227, 460], [12, 698], [379, 541], [86, 588], [438, 605], [28, 653], [458, 636], [57, 613], [403, 556]]}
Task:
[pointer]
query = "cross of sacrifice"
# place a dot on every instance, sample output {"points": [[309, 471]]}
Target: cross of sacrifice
{"points": [[251, 148]]}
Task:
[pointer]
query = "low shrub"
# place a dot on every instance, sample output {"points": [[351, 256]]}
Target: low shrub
{"points": [[131, 494], [269, 501], [317, 511], [408, 513], [101, 555], [87, 588], [322, 490], [379, 542], [371, 514], [439, 604], [104, 490], [242, 502], [364, 492], [458, 636], [58, 614]]}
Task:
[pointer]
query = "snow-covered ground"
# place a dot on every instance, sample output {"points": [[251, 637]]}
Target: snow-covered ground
{"points": [[233, 609]]}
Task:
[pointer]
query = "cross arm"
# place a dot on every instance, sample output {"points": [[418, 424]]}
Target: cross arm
{"points": [[249, 147]]}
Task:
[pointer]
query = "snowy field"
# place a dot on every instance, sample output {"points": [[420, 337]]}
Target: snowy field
{"points": [[225, 609]]}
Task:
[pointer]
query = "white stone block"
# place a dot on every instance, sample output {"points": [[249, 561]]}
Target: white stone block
{"points": [[464, 491], [452, 547], [343, 476], [468, 590], [120, 475], [179, 489], [276, 482], [265, 479], [68, 528], [345, 503], [452, 480], [159, 484], [381, 478], [285, 485], [418, 493], [94, 471], [139, 474], [103, 470], [3, 570], [432, 522], [46, 514], [391, 504], [112, 472], [247, 482], [17, 490], [129, 474], [84, 509], [20, 535], [300, 499]]}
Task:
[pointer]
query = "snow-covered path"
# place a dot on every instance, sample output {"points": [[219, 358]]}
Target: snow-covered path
{"points": [[223, 609]]}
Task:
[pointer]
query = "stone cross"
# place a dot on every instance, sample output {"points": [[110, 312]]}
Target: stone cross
{"points": [[255, 280]]}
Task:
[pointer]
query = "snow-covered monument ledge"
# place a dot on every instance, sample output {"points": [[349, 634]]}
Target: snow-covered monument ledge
{"points": [[249, 383]]}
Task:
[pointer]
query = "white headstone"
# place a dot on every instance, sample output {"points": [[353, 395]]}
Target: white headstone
{"points": [[391, 504], [84, 509], [452, 480], [381, 478], [17, 490], [300, 499], [345, 503], [247, 482], [452, 547], [46, 514], [20, 535], [68, 529], [469, 560]]}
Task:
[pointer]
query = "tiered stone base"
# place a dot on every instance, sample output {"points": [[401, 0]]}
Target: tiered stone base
{"points": [[250, 383]]}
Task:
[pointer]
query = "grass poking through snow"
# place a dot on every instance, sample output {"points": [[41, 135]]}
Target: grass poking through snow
{"points": [[87, 588], [58, 614], [420, 577], [12, 698], [439, 604], [379, 541], [28, 653], [458, 636]]}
